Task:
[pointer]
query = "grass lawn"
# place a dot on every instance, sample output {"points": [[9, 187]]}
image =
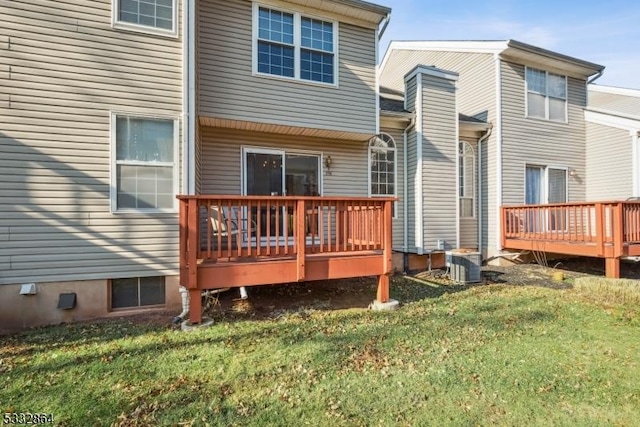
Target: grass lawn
{"points": [[486, 355]]}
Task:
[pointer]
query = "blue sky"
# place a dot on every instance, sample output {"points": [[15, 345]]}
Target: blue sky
{"points": [[605, 32]]}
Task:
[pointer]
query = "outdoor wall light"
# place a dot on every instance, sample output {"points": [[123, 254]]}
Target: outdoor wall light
{"points": [[328, 161]]}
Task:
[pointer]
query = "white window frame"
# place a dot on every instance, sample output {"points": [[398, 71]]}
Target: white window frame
{"points": [[546, 96], [473, 178], [545, 180], [129, 26], [113, 178], [395, 171], [297, 46]]}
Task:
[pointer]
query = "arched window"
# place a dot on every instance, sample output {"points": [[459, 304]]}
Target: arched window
{"points": [[467, 175], [382, 165]]}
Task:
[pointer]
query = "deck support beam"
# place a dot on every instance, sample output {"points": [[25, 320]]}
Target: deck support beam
{"points": [[612, 268]]}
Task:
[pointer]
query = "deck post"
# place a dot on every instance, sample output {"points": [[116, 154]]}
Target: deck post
{"points": [[383, 289], [195, 306], [192, 245], [184, 277], [612, 268], [600, 228], [300, 237], [503, 227]]}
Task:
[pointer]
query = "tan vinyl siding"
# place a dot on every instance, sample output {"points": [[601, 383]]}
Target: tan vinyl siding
{"points": [[617, 103], [398, 222], [609, 163], [229, 90], [540, 142], [221, 160], [476, 96], [68, 70], [439, 151], [412, 163], [469, 226], [476, 89]]}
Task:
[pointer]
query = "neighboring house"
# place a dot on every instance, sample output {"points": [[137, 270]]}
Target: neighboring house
{"points": [[110, 108], [613, 156], [534, 153]]}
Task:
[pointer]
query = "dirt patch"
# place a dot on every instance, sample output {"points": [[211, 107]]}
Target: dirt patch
{"points": [[275, 301]]}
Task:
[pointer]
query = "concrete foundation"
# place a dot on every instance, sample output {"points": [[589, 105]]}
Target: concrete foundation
{"points": [[385, 306], [92, 301]]}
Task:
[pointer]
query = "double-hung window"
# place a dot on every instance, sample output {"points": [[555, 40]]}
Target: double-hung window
{"points": [[295, 46], [143, 175], [157, 16], [546, 95]]}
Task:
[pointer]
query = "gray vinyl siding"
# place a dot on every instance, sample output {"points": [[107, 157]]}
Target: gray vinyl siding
{"points": [[64, 69], [439, 154], [229, 90], [398, 222], [222, 156], [609, 163], [540, 142]]}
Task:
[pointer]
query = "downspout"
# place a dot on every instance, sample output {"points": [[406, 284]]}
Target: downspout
{"points": [[186, 149], [385, 24], [590, 81], [188, 97], [480, 141], [405, 182]]}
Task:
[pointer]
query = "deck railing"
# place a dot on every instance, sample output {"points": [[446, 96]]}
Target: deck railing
{"points": [[603, 229], [233, 229]]}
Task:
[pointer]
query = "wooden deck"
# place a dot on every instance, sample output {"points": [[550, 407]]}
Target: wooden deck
{"points": [[233, 241], [609, 230]]}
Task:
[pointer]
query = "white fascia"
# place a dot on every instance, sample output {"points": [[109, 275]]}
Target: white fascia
{"points": [[615, 120], [498, 159], [615, 90], [494, 47], [418, 187]]}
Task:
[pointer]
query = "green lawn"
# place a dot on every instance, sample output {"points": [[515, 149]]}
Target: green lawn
{"points": [[487, 355]]}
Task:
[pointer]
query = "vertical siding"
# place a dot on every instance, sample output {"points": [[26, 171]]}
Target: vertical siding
{"points": [[609, 173], [398, 222], [222, 156], [540, 142], [63, 70], [228, 88], [439, 151]]}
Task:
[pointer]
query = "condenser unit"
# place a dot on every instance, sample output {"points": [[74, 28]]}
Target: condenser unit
{"points": [[464, 267]]}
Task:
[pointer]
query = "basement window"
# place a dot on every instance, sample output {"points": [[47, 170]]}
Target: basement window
{"points": [[137, 292]]}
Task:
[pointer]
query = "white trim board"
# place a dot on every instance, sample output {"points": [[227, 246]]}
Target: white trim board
{"points": [[615, 90], [632, 125]]}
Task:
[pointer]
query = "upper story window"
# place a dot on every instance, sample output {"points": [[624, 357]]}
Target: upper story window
{"points": [[466, 176], [156, 16], [295, 46], [546, 95], [143, 174]]}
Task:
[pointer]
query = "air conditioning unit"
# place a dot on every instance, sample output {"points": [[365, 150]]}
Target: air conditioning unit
{"points": [[464, 267]]}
